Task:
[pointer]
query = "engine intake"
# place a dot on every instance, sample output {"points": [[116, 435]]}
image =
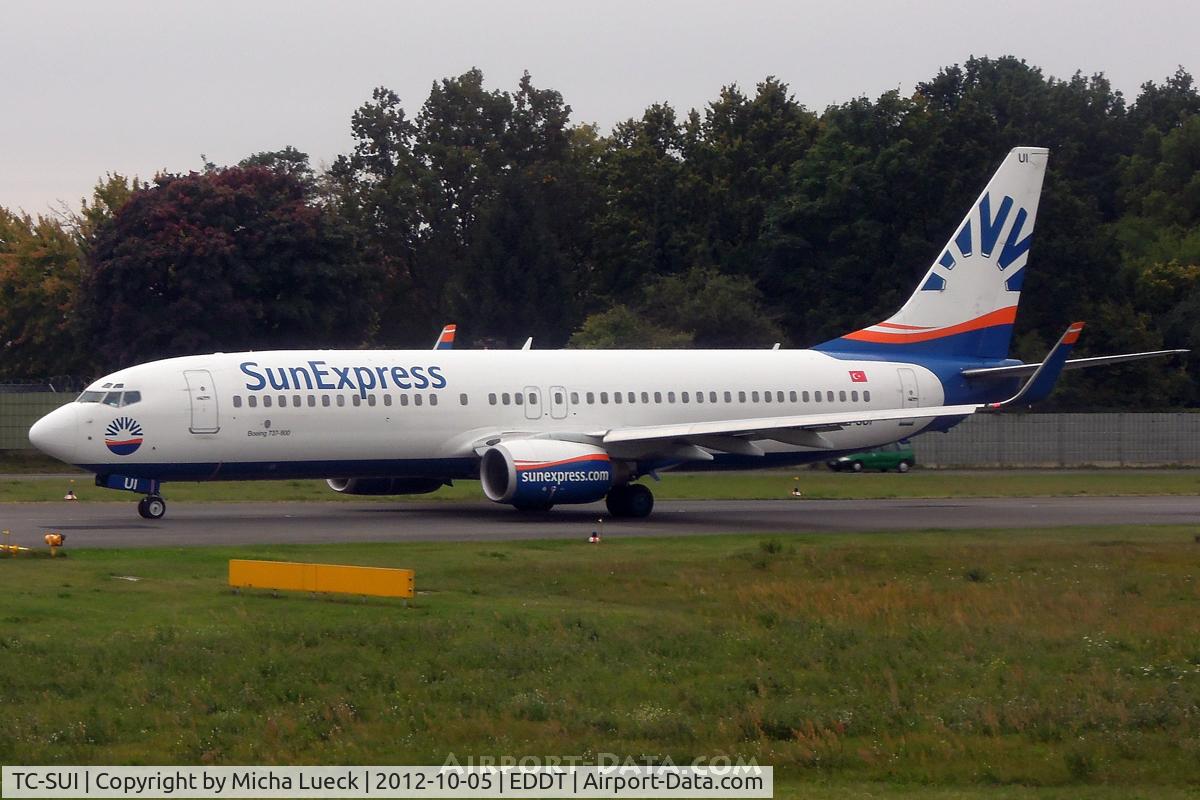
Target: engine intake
{"points": [[378, 486], [539, 473]]}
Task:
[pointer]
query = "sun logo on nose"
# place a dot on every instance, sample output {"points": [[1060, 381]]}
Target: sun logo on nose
{"points": [[123, 436]]}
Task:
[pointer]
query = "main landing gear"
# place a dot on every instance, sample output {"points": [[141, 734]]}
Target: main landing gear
{"points": [[631, 500], [152, 507]]}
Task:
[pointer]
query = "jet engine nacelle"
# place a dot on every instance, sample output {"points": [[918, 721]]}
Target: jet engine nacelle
{"points": [[378, 486], [539, 473]]}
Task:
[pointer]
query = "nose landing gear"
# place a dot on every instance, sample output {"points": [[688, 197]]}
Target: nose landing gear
{"points": [[152, 507]]}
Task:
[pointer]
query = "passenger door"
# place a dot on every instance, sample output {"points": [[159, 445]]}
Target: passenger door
{"points": [[203, 397], [909, 394]]}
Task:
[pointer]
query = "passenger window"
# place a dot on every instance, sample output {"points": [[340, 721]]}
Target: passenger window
{"points": [[712, 397], [741, 397], [113, 399], [283, 401], [404, 400], [296, 401], [387, 399], [491, 398], [558, 398], [591, 398], [658, 397], [670, 397], [646, 397], [866, 396], [617, 398], [729, 397], [533, 398], [604, 398], [574, 398], [842, 396], [632, 397], [792, 395], [371, 400], [804, 396], [829, 396], [341, 401], [417, 400], [519, 398], [237, 401], [683, 397], [699, 397], [779, 397], [252, 401], [854, 396], [312, 401], [433, 399], [767, 396], [266, 401], [754, 396], [462, 399], [817, 396], [505, 398], [356, 400], [324, 400]]}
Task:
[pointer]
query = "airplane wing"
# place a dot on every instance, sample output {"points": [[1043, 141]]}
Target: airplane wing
{"points": [[803, 429], [445, 340]]}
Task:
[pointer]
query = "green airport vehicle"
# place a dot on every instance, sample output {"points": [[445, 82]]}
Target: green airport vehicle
{"points": [[898, 456]]}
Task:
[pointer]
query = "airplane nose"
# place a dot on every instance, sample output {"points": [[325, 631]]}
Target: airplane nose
{"points": [[55, 433]]}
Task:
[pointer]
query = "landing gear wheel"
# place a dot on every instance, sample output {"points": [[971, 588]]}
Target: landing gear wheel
{"points": [[903, 467], [640, 502], [630, 500], [152, 507], [856, 466]]}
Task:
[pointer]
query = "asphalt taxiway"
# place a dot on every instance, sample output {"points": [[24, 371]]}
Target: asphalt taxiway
{"points": [[194, 524]]}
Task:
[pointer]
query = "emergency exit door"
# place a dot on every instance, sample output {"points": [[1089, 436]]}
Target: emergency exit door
{"points": [[203, 397]]}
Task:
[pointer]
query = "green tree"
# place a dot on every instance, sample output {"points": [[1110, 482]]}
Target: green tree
{"points": [[40, 270], [231, 259]]}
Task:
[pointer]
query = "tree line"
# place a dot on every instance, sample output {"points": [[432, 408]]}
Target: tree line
{"points": [[751, 221]]}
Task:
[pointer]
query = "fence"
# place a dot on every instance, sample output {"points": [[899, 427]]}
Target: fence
{"points": [[20, 410], [1065, 440]]}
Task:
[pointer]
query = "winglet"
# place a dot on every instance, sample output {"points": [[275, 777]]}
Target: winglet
{"points": [[1041, 383], [446, 340]]}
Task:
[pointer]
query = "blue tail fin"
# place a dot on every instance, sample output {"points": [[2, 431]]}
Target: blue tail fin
{"points": [[965, 305]]}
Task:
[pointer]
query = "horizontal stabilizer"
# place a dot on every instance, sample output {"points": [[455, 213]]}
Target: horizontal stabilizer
{"points": [[1021, 370]]}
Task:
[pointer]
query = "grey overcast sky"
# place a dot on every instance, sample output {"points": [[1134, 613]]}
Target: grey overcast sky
{"points": [[141, 87]]}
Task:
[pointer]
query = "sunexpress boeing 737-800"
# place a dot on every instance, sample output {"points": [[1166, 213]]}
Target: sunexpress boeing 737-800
{"points": [[541, 428]]}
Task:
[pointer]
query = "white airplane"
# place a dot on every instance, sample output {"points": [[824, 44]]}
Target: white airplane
{"points": [[541, 427]]}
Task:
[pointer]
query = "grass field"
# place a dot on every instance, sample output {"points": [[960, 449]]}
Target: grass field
{"points": [[1059, 663], [816, 484]]}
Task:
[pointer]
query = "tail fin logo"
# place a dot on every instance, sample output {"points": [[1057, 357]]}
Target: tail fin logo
{"points": [[984, 230]]}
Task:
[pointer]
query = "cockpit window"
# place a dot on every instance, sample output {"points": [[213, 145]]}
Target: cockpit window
{"points": [[114, 399]]}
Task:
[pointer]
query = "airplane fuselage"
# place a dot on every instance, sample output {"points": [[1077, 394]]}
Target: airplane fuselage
{"points": [[347, 413]]}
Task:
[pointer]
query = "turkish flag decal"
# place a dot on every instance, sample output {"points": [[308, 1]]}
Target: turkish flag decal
{"points": [[858, 376]]}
